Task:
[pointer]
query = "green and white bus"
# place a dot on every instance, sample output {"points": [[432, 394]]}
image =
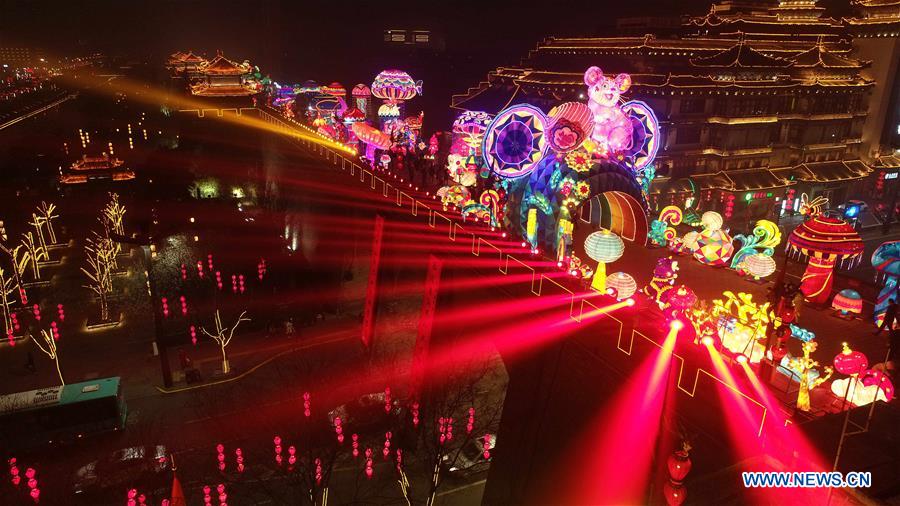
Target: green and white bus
{"points": [[61, 414]]}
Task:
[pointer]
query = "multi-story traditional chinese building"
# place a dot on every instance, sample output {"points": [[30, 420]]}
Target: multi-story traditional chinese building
{"points": [[221, 77], [96, 168], [758, 101], [184, 64]]}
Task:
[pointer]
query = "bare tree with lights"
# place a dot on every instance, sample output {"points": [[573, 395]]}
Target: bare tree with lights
{"points": [[99, 253], [34, 254], [49, 348], [224, 335], [45, 212], [112, 217], [6, 289], [38, 223]]}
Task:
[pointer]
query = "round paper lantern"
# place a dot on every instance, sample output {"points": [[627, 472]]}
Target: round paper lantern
{"points": [[849, 361], [622, 283], [515, 142], [570, 124], [604, 246], [712, 220], [847, 301], [759, 265]]}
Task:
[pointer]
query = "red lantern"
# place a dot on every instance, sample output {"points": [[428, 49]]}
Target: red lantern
{"points": [[675, 494], [679, 464], [849, 361]]}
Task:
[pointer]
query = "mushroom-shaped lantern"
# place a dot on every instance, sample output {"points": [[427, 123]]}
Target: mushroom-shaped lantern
{"points": [[622, 284], [824, 240], [334, 89], [886, 260], [603, 247], [470, 127], [394, 86], [847, 301]]}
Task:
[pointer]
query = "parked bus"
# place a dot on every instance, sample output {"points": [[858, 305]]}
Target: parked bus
{"points": [[61, 414]]}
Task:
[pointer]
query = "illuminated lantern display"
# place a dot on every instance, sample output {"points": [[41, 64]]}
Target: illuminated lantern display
{"points": [[372, 137], [679, 465], [395, 86], [806, 364], [886, 261], [679, 301], [661, 229], [603, 247], [849, 361], [714, 247], [847, 301], [362, 95], [453, 195], [766, 236], [515, 141], [825, 241], [880, 380], [758, 265], [612, 130], [741, 323], [334, 89], [239, 459], [664, 275], [570, 124], [622, 284], [470, 127]]}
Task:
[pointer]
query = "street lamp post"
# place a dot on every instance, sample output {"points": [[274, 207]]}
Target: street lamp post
{"points": [[146, 241]]}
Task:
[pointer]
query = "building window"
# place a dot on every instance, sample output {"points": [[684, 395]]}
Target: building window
{"points": [[689, 134], [692, 105]]}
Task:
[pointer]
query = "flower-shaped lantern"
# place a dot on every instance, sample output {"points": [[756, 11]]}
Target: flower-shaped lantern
{"points": [[758, 265]]}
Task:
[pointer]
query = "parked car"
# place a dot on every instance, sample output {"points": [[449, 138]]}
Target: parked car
{"points": [[367, 410], [469, 459], [143, 467]]}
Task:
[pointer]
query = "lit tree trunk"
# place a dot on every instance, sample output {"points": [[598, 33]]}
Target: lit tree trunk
{"points": [[6, 290], [34, 254], [49, 349], [46, 211], [223, 336]]}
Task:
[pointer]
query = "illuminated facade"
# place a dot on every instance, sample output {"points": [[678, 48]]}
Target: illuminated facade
{"points": [[758, 102], [96, 168], [184, 64], [221, 77]]}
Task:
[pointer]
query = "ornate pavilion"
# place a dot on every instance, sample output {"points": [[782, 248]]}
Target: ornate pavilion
{"points": [[758, 101], [96, 168], [221, 77], [184, 64]]}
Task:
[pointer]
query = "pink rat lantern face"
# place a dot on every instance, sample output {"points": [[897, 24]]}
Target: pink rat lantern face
{"points": [[603, 90]]}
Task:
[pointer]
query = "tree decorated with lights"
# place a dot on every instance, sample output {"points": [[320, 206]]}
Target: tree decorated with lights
{"points": [[100, 255], [7, 288], [806, 365], [45, 213], [38, 223], [113, 215], [223, 336], [48, 347], [35, 253]]}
